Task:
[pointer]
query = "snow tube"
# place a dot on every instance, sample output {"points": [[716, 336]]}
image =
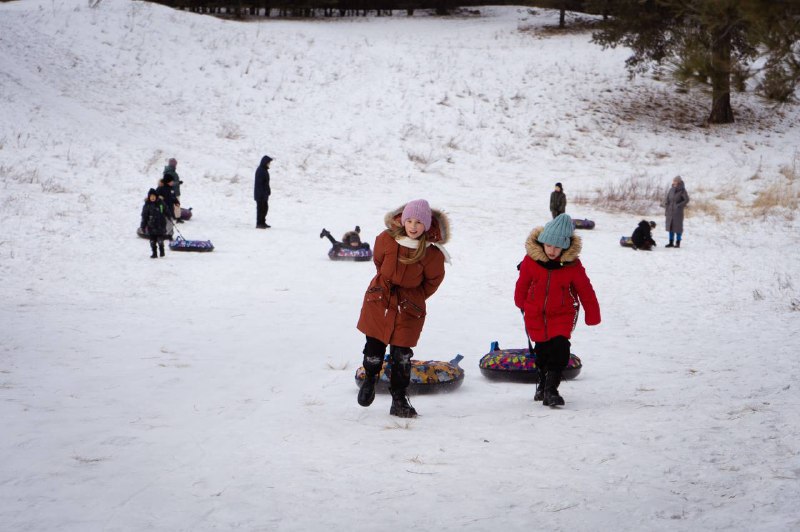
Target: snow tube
{"points": [[181, 244], [583, 224], [427, 376], [340, 252], [625, 241], [518, 365], [143, 233], [186, 214]]}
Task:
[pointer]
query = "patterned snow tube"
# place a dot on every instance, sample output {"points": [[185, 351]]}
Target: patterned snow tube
{"points": [[181, 244], [361, 253], [583, 224], [517, 365], [625, 241], [427, 376]]}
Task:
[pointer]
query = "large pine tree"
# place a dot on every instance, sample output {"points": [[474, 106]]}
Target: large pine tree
{"points": [[713, 42]]}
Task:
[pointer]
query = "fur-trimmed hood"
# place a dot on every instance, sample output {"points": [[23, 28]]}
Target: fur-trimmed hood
{"points": [[439, 232], [535, 250]]}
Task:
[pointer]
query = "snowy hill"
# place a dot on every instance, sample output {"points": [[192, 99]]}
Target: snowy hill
{"points": [[215, 391]]}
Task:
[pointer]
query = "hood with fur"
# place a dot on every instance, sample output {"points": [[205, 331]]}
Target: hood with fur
{"points": [[535, 250], [439, 233]]}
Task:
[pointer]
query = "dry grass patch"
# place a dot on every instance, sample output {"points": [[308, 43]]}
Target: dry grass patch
{"points": [[704, 206], [777, 196], [634, 194]]}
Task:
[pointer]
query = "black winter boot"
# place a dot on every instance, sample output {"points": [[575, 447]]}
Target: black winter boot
{"points": [[400, 406], [372, 370], [539, 395], [160, 249], [327, 234], [399, 379], [367, 392], [671, 245], [678, 244], [153, 247], [551, 397]]}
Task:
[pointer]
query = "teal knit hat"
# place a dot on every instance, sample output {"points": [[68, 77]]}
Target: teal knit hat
{"points": [[558, 232]]}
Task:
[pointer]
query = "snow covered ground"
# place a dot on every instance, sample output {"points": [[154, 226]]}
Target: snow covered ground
{"points": [[216, 392]]}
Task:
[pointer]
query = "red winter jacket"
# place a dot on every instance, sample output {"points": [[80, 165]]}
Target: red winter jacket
{"points": [[549, 297]]}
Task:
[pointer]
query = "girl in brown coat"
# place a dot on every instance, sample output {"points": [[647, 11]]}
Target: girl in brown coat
{"points": [[409, 257]]}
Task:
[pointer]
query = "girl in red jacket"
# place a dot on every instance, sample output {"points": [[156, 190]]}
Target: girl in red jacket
{"points": [[552, 283]]}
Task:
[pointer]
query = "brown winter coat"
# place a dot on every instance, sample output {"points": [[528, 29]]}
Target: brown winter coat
{"points": [[394, 307]]}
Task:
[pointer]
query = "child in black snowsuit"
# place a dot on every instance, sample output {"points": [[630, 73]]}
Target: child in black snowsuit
{"points": [[154, 222], [642, 237]]}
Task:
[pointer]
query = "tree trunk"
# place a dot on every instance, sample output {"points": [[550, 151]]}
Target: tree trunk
{"points": [[562, 17], [721, 110]]}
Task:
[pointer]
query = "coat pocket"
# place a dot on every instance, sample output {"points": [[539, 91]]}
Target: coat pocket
{"points": [[411, 309], [374, 294]]}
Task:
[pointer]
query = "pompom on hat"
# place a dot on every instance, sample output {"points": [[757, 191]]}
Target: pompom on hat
{"points": [[558, 232], [418, 209]]}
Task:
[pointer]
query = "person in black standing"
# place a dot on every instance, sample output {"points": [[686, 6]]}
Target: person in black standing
{"points": [[154, 222], [558, 201], [261, 192], [166, 193]]}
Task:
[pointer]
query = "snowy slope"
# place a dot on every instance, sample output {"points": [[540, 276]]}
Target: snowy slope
{"points": [[215, 391]]}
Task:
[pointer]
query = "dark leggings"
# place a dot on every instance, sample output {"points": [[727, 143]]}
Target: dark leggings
{"points": [[400, 363], [552, 355]]}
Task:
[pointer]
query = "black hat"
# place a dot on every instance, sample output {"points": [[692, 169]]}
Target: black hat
{"points": [[652, 224], [152, 192], [559, 186]]}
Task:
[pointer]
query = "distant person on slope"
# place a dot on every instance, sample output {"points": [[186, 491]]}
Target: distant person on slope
{"points": [[176, 186], [409, 256], [154, 221], [551, 286], [642, 236], [261, 192], [558, 201], [674, 204], [166, 192]]}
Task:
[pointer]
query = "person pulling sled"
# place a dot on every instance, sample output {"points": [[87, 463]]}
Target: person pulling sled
{"points": [[551, 286], [409, 258], [154, 222]]}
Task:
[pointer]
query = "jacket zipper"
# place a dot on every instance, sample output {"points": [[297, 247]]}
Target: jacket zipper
{"points": [[544, 308]]}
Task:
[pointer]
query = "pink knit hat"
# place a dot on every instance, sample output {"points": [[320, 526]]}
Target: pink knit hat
{"points": [[418, 209]]}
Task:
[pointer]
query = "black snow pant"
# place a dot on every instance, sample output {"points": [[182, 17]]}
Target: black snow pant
{"points": [[552, 355], [399, 364], [157, 241], [262, 207]]}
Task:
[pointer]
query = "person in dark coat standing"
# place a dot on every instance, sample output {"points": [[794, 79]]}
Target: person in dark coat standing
{"points": [[558, 201], [166, 193], [261, 192], [154, 222], [674, 205], [169, 170], [642, 236]]}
